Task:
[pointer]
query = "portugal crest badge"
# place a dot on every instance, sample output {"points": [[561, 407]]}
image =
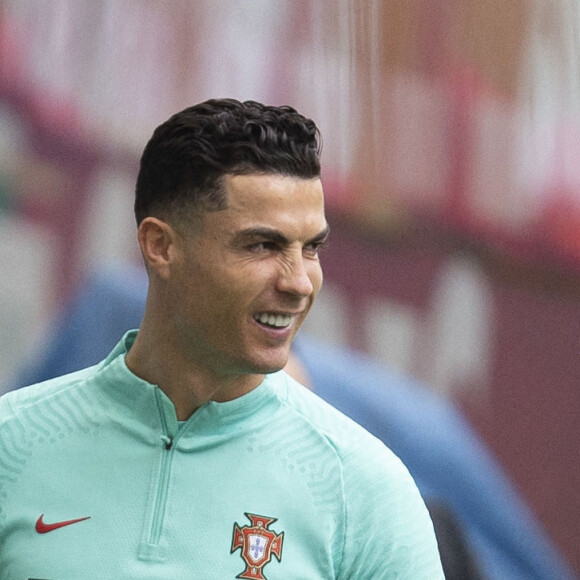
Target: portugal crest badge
{"points": [[258, 544]]}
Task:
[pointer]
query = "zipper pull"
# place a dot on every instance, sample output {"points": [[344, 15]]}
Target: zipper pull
{"points": [[168, 441]]}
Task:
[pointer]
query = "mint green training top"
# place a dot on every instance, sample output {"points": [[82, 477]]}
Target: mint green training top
{"points": [[98, 480]]}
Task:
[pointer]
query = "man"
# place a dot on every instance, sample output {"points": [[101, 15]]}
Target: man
{"points": [[186, 453]]}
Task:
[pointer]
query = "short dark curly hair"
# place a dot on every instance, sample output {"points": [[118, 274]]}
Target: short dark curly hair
{"points": [[185, 159]]}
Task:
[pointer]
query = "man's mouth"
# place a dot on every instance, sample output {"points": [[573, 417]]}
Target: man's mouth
{"points": [[273, 320]]}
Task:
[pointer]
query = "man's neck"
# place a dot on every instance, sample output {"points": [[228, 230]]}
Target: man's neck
{"points": [[188, 386]]}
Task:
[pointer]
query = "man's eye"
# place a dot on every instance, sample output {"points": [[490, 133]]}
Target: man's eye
{"points": [[313, 248], [262, 247]]}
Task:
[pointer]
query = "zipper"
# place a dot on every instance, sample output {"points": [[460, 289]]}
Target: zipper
{"points": [[162, 491], [152, 550]]}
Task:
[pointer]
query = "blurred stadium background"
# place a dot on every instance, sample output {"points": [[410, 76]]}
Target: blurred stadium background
{"points": [[452, 171]]}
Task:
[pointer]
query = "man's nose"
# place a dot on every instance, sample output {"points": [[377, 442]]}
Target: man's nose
{"points": [[295, 277]]}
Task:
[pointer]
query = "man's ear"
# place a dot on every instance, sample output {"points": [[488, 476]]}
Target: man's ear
{"points": [[157, 241]]}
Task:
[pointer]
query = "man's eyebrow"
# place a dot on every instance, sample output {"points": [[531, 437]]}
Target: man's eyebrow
{"points": [[275, 236], [320, 237], [261, 233]]}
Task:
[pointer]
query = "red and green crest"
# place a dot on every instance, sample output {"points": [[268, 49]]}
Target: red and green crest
{"points": [[258, 544]]}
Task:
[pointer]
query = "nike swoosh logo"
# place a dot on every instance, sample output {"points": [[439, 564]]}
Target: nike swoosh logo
{"points": [[43, 528]]}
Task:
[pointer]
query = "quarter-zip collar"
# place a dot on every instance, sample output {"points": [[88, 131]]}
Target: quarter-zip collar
{"points": [[145, 408], [148, 414]]}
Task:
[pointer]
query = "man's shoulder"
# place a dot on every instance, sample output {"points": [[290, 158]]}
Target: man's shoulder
{"points": [[387, 524], [350, 441], [18, 402]]}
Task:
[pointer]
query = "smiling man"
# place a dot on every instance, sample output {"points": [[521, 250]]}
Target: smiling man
{"points": [[188, 452]]}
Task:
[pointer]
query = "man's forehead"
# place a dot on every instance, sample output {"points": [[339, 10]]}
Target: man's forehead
{"points": [[292, 206], [232, 181], [264, 193]]}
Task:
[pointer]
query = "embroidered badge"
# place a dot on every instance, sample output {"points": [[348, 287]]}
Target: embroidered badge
{"points": [[257, 543]]}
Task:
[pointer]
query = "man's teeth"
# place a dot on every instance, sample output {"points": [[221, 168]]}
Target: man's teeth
{"points": [[279, 320]]}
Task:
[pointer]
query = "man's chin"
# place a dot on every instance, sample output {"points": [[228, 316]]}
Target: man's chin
{"points": [[270, 365], [269, 369]]}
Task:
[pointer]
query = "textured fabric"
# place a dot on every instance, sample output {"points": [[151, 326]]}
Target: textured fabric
{"points": [[276, 475]]}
